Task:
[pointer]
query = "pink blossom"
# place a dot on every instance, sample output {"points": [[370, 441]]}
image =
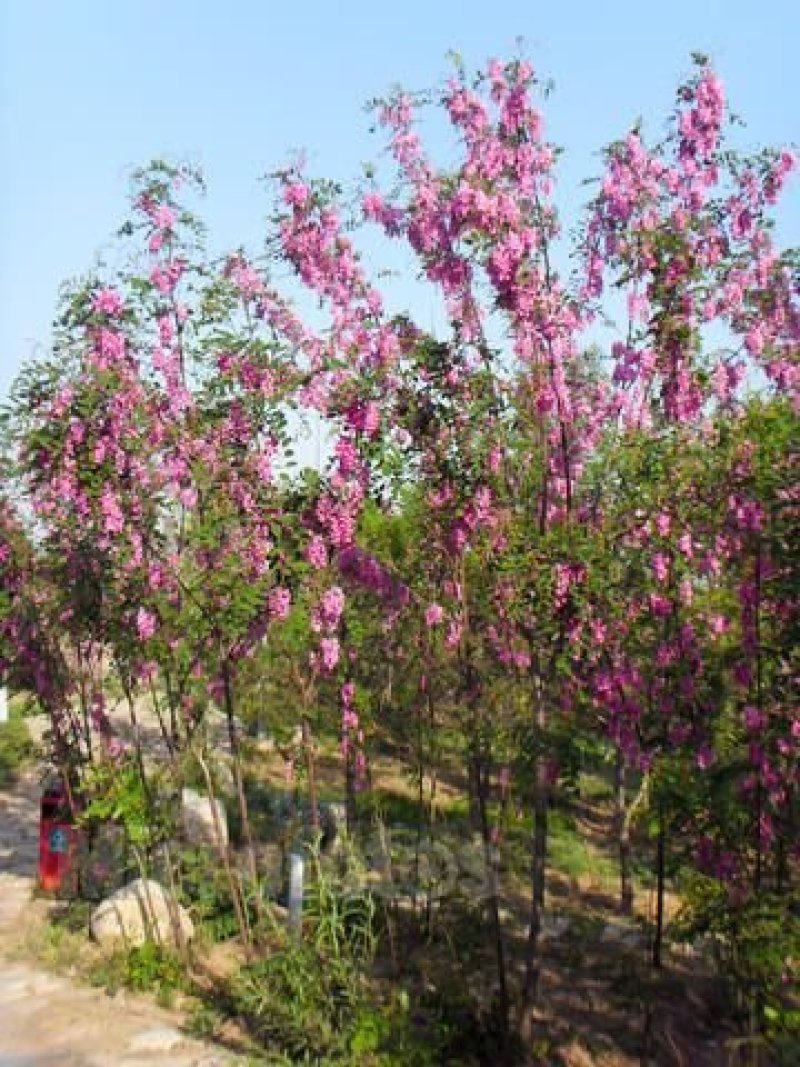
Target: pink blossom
{"points": [[660, 606], [434, 614], [332, 606], [372, 419], [114, 520], [166, 278], [663, 523], [279, 602], [330, 650], [718, 625], [753, 719], [317, 553], [145, 624], [297, 194], [454, 632], [107, 302], [347, 454], [743, 674], [754, 340], [188, 496], [661, 567], [110, 346], [705, 757], [164, 217]]}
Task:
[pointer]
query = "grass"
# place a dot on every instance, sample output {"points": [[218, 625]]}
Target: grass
{"points": [[16, 746], [145, 969], [58, 941], [575, 857]]}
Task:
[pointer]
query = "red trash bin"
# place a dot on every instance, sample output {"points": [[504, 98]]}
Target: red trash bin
{"points": [[58, 842]]}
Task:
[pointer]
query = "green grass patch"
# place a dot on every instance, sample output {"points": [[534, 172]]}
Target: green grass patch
{"points": [[16, 746], [147, 969]]}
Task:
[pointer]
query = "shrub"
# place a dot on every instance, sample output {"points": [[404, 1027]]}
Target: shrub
{"points": [[16, 748], [756, 948]]}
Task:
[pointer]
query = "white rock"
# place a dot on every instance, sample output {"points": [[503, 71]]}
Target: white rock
{"points": [[197, 816], [139, 912], [159, 1039], [553, 927], [338, 814], [38, 727], [622, 933]]}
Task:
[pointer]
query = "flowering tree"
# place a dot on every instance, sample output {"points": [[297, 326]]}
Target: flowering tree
{"points": [[600, 516]]}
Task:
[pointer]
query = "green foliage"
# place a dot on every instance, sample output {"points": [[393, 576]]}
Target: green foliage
{"points": [[149, 968], [117, 793], [299, 1003], [308, 1000], [341, 920], [16, 748], [204, 889], [756, 947], [309, 1009]]}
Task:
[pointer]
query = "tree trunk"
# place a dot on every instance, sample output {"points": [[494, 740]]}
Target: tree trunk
{"points": [[311, 770], [244, 812], [623, 837], [234, 881], [541, 801], [479, 778], [474, 789], [350, 792], [658, 939]]}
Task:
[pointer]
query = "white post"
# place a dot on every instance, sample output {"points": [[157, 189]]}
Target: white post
{"points": [[295, 892], [3, 704]]}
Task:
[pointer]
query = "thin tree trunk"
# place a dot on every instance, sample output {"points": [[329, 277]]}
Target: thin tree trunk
{"points": [[350, 792], [623, 837], [420, 812], [541, 802], [658, 939], [312, 775], [494, 904], [234, 881], [244, 812], [474, 788], [759, 807]]}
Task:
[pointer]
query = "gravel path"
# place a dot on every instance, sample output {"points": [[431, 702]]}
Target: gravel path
{"points": [[48, 1020]]}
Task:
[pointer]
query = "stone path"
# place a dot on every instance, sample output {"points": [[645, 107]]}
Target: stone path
{"points": [[47, 1020]]}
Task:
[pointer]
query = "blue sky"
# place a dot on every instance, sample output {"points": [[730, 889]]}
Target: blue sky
{"points": [[89, 89]]}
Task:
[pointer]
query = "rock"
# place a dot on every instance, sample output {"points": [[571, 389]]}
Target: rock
{"points": [[553, 927], [622, 933], [338, 814], [575, 1055], [279, 913], [38, 728], [159, 1039], [199, 824], [222, 775], [137, 913]]}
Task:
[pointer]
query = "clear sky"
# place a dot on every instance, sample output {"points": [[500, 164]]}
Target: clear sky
{"points": [[89, 89]]}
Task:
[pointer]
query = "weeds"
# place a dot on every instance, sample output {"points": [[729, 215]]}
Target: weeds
{"points": [[16, 748], [146, 969]]}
